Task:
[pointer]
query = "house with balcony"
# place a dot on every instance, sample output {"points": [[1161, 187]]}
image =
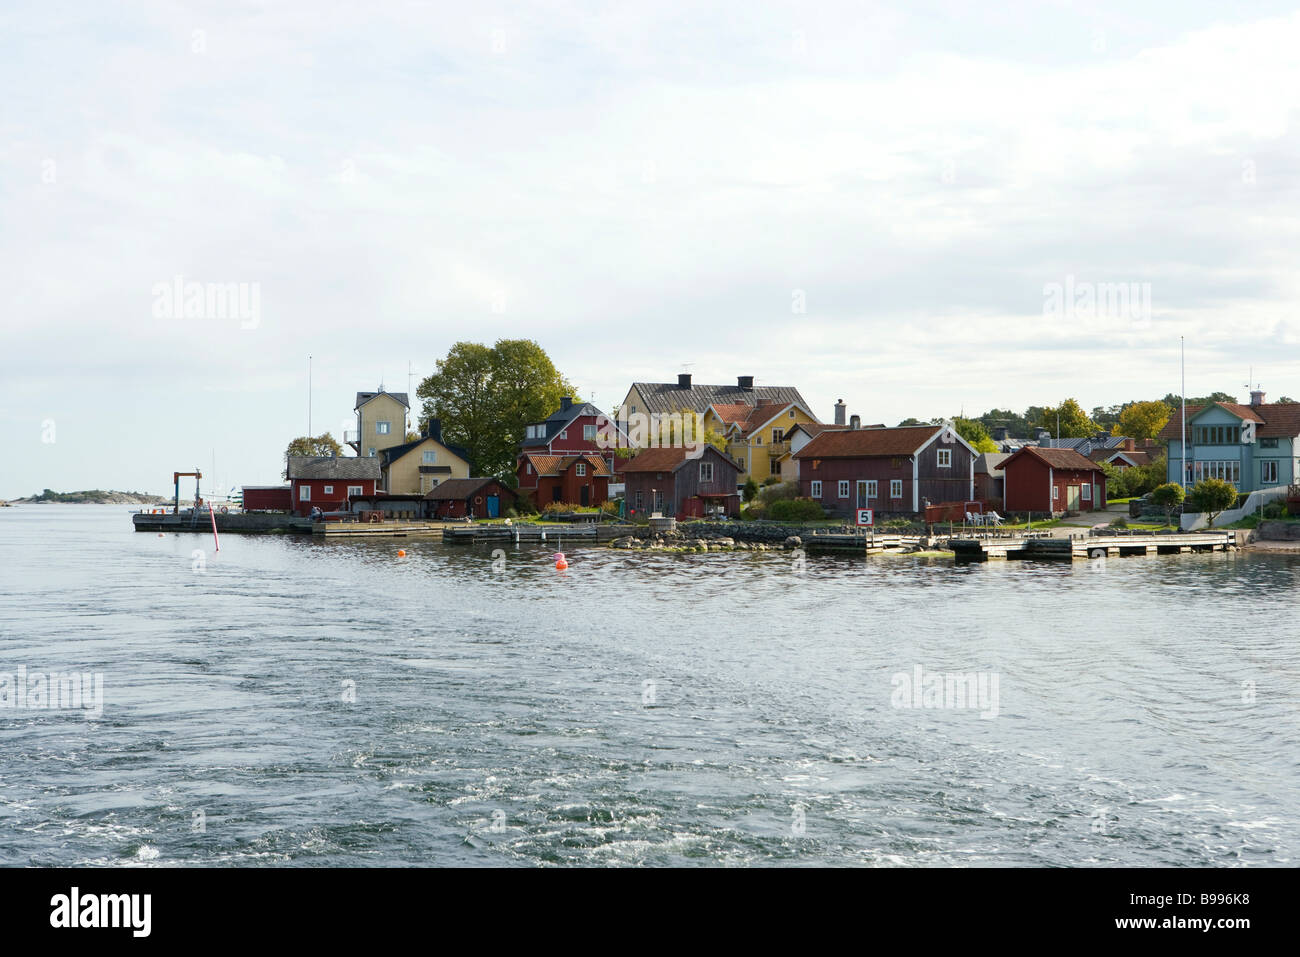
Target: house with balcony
{"points": [[416, 468], [381, 422], [757, 434], [671, 482], [1254, 447]]}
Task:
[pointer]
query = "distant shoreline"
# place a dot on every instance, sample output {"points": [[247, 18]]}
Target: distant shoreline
{"points": [[88, 497]]}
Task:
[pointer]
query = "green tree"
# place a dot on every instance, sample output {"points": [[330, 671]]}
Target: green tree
{"points": [[1117, 482], [1168, 496], [974, 432], [750, 489], [1074, 422], [485, 396], [1212, 496], [1142, 420], [323, 444], [910, 422]]}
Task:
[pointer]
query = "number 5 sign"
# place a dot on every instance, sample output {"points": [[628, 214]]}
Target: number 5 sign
{"points": [[866, 517]]}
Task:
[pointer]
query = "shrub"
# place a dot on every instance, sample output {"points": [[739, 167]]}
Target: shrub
{"points": [[771, 480], [552, 508], [795, 510], [1168, 496], [781, 491], [1274, 510], [750, 489], [609, 506], [1212, 496], [1120, 522], [753, 512]]}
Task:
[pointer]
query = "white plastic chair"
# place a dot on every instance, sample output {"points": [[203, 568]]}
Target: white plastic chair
{"points": [[993, 518]]}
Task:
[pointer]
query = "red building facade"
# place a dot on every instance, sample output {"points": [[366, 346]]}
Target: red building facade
{"points": [[576, 479], [326, 482], [1052, 480]]}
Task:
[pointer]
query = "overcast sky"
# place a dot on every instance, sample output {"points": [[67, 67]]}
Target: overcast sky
{"points": [[866, 202]]}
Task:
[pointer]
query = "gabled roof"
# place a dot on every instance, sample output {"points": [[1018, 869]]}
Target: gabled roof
{"points": [[1134, 456], [392, 454], [670, 397], [559, 420], [748, 419], [545, 465], [1056, 458], [364, 397], [990, 462], [868, 443], [1273, 419], [454, 489], [333, 467], [668, 459]]}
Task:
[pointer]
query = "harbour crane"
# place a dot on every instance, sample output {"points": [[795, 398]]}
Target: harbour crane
{"points": [[176, 479]]}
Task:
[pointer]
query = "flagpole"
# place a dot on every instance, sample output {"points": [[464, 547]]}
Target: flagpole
{"points": [[309, 397], [1182, 442]]}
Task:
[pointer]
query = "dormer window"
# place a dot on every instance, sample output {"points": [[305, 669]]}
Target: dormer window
{"points": [[580, 469]]}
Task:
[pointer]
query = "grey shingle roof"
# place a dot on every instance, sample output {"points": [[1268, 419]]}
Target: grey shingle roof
{"points": [[670, 397], [462, 488], [364, 397], [332, 467], [558, 420]]}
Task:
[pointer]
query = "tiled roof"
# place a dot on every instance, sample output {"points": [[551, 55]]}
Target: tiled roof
{"points": [[670, 397], [453, 489], [333, 467], [1056, 458], [1275, 419], [545, 465], [666, 460], [866, 443], [364, 397]]}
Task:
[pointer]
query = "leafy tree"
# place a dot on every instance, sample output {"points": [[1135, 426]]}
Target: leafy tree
{"points": [[485, 396], [323, 444], [1168, 496], [1117, 482], [974, 432], [412, 436], [908, 422], [749, 490], [1142, 420], [1074, 422], [1287, 400], [1212, 496]]}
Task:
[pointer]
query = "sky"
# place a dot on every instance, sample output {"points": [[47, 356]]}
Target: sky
{"points": [[920, 208]]}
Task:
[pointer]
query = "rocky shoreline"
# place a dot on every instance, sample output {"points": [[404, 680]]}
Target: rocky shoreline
{"points": [[89, 497]]}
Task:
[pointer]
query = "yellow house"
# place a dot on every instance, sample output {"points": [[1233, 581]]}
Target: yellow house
{"points": [[665, 398], [381, 422], [756, 434], [415, 468]]}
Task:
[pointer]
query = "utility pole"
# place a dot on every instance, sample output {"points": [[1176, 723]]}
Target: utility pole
{"points": [[309, 396], [1182, 441]]}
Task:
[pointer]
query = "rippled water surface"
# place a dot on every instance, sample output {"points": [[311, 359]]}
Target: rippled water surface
{"points": [[1148, 711]]}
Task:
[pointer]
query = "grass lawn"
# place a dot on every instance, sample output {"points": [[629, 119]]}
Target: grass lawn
{"points": [[1120, 501], [1149, 526]]}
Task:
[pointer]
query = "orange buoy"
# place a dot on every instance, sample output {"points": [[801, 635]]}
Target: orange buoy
{"points": [[160, 534], [401, 553], [560, 563]]}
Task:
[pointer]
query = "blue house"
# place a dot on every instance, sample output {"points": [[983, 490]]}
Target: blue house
{"points": [[1254, 446]]}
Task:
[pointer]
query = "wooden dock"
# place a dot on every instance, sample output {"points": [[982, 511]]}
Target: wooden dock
{"points": [[850, 544], [1088, 546], [528, 534]]}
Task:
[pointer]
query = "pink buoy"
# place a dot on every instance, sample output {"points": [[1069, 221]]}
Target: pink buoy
{"points": [[560, 563]]}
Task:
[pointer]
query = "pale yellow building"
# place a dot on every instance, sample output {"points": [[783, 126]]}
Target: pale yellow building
{"points": [[756, 435], [416, 468], [381, 422]]}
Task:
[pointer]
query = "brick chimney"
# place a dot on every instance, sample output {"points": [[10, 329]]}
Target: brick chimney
{"points": [[855, 422], [745, 382], [683, 380], [1256, 397], [840, 410], [1129, 445]]}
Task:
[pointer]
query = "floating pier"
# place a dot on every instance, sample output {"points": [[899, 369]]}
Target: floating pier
{"points": [[1090, 546], [533, 534], [158, 520], [860, 544]]}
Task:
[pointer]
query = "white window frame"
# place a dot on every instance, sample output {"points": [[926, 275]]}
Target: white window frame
{"points": [[1085, 492], [383, 428], [589, 433], [706, 471], [1056, 493], [356, 490], [304, 493], [945, 458], [580, 469], [815, 490], [872, 489], [564, 434], [842, 488], [329, 489], [896, 488], [1265, 467], [430, 457]]}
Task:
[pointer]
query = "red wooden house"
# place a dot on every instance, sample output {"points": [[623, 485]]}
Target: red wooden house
{"points": [[894, 471], [473, 497], [576, 479], [1052, 480], [668, 480], [570, 430], [326, 482], [267, 498]]}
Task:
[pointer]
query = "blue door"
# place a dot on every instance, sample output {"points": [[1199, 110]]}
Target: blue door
{"points": [[494, 506]]}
